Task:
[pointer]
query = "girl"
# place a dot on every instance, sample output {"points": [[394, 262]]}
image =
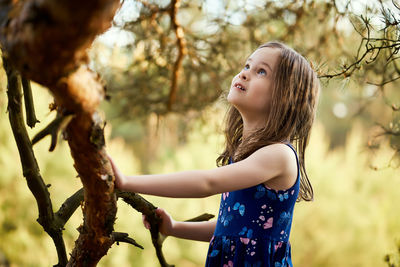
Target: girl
{"points": [[273, 101]]}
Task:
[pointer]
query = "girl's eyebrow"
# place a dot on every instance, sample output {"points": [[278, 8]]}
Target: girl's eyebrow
{"points": [[263, 63]]}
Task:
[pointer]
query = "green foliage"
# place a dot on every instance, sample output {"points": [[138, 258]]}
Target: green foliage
{"points": [[221, 34]]}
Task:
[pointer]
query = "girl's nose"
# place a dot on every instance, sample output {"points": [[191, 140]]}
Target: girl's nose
{"points": [[243, 75]]}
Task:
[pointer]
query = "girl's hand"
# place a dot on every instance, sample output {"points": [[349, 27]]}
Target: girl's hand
{"points": [[120, 178], [167, 223]]}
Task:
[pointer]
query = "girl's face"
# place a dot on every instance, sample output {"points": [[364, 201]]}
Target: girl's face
{"points": [[251, 89]]}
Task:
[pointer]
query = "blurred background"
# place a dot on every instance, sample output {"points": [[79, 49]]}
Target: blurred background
{"points": [[167, 72]]}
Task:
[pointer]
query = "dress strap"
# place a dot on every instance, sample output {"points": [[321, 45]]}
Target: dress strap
{"points": [[297, 157]]}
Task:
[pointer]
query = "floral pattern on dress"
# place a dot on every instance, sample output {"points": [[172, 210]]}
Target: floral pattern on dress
{"points": [[253, 228]]}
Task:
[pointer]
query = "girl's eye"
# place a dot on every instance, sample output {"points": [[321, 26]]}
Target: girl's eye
{"points": [[246, 67], [262, 72]]}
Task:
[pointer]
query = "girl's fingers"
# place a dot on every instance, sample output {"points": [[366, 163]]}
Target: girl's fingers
{"points": [[145, 222], [160, 212], [112, 163], [110, 159]]}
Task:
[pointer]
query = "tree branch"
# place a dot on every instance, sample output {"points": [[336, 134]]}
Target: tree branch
{"points": [[59, 123], [29, 165], [31, 119], [148, 209], [68, 207], [123, 237], [348, 70], [181, 44], [142, 205], [201, 218], [138, 203]]}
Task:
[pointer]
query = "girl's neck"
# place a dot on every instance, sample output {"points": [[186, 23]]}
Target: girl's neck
{"points": [[250, 126]]}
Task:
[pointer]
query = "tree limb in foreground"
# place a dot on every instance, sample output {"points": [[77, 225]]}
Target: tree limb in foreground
{"points": [[46, 42], [30, 167]]}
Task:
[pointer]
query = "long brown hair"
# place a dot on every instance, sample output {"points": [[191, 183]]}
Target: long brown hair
{"points": [[293, 105]]}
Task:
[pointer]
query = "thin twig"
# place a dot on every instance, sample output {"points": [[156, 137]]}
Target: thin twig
{"points": [[31, 119], [384, 82], [348, 70], [201, 218], [124, 237], [59, 123]]}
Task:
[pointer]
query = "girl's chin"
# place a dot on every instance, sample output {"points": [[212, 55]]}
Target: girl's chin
{"points": [[233, 99], [234, 103]]}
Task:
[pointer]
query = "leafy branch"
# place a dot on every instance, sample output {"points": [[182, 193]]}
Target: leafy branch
{"points": [[371, 47]]}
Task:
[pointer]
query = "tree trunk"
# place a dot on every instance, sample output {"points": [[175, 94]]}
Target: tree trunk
{"points": [[46, 42]]}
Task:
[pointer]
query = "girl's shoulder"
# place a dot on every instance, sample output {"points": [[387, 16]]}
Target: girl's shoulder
{"points": [[284, 152], [273, 162], [285, 157]]}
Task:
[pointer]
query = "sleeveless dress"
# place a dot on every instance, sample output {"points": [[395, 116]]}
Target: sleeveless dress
{"points": [[253, 227]]}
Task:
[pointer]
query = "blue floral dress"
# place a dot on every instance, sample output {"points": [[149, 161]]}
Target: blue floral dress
{"points": [[253, 227]]}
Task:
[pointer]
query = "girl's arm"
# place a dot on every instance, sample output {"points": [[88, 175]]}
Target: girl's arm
{"points": [[273, 161], [199, 231]]}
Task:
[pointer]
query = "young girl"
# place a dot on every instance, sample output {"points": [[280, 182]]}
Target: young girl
{"points": [[273, 101]]}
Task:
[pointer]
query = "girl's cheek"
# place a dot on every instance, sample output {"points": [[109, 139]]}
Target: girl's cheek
{"points": [[234, 78]]}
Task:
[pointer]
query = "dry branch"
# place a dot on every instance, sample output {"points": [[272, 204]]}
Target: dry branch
{"points": [[31, 119], [69, 206], [143, 206], [123, 237], [29, 165], [148, 209], [54, 127]]}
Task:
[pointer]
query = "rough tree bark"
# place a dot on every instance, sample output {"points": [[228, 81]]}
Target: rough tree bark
{"points": [[46, 42]]}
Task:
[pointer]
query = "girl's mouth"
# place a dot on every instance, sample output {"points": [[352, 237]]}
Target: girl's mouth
{"points": [[239, 86]]}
